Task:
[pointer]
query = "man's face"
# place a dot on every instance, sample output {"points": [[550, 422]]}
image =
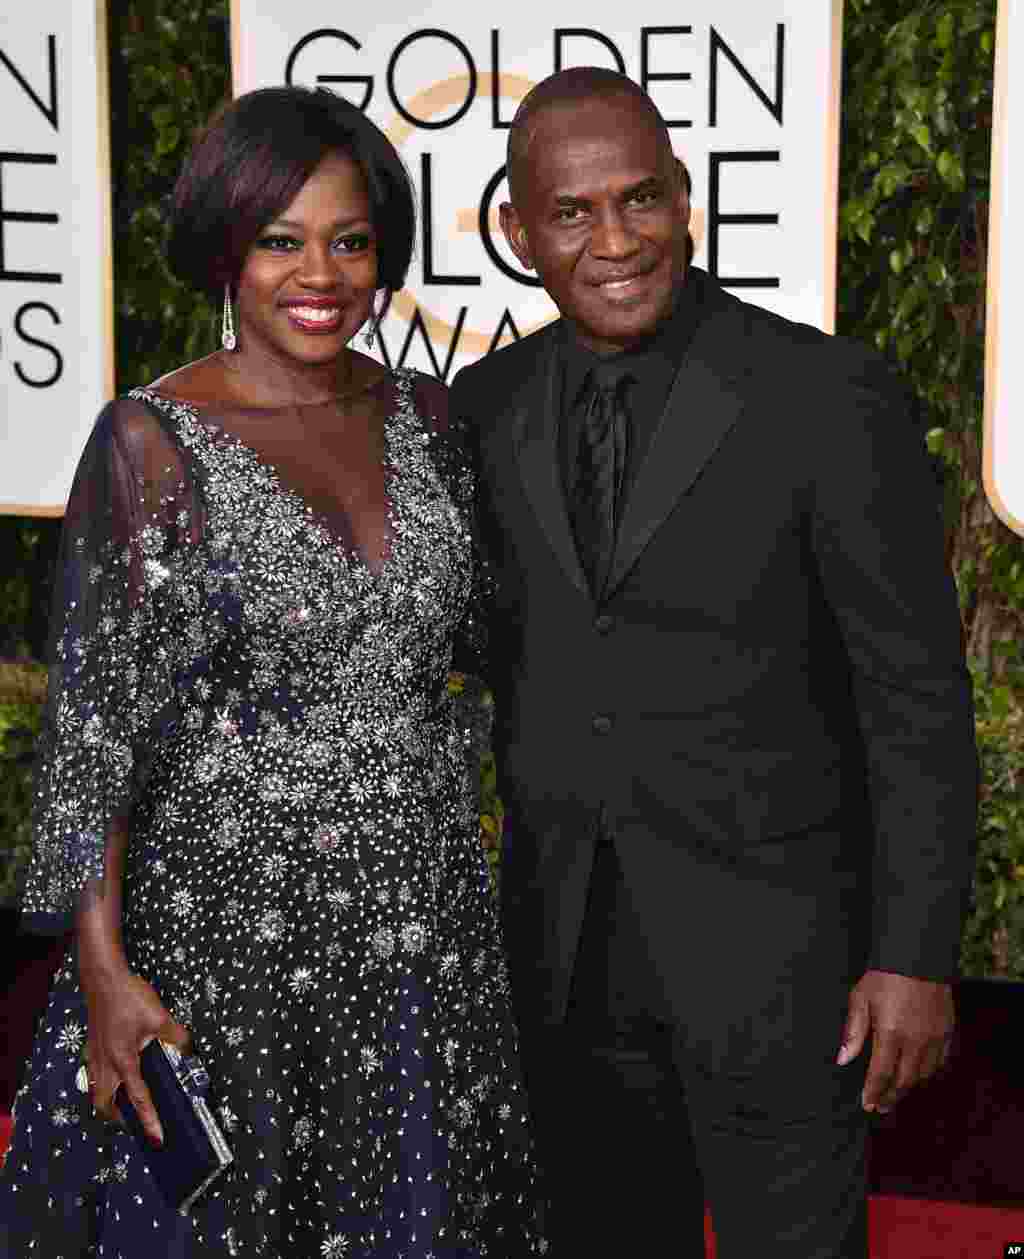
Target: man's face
{"points": [[601, 214]]}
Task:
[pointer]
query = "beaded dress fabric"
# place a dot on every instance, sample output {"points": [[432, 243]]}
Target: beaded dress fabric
{"points": [[252, 667]]}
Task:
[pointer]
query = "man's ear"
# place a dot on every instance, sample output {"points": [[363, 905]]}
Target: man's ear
{"points": [[683, 190], [515, 234]]}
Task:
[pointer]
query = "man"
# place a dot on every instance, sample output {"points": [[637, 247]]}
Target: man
{"points": [[733, 721]]}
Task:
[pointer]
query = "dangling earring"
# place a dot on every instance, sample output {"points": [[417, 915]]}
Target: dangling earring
{"points": [[227, 329], [369, 336]]}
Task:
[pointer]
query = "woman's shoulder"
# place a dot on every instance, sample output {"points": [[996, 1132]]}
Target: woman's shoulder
{"points": [[141, 427], [138, 426], [130, 427], [132, 450]]}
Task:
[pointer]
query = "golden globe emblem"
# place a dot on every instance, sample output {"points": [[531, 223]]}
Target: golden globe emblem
{"points": [[425, 104]]}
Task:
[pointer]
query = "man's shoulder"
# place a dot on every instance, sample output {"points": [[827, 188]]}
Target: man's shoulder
{"points": [[774, 346], [723, 312]]}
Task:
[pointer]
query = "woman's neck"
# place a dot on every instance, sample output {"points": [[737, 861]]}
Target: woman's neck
{"points": [[265, 379]]}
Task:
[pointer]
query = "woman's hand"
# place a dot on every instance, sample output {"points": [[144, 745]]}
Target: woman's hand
{"points": [[125, 1014], [124, 1011]]}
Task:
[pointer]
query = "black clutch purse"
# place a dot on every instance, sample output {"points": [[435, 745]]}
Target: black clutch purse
{"points": [[194, 1152]]}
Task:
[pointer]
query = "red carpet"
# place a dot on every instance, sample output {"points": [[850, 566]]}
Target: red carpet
{"points": [[914, 1228], [954, 1151], [900, 1228]]}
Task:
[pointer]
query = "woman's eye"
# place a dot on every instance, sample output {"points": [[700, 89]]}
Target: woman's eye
{"points": [[567, 213], [278, 244]]}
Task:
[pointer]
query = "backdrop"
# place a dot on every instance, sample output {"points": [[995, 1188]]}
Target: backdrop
{"points": [[56, 361], [750, 94], [1004, 363], [752, 103]]}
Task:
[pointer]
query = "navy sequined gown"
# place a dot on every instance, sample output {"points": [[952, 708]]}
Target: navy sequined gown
{"points": [[260, 681]]}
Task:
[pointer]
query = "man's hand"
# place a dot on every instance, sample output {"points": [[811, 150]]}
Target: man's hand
{"points": [[910, 1022]]}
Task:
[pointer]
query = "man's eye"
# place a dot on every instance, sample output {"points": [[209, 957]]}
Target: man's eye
{"points": [[353, 244], [567, 213]]}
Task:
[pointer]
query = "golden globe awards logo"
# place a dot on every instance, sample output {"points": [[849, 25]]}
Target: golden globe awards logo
{"points": [[725, 83], [56, 359], [26, 261], [1004, 370], [482, 220]]}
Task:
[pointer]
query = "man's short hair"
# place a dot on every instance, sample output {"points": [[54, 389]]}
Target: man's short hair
{"points": [[572, 87]]}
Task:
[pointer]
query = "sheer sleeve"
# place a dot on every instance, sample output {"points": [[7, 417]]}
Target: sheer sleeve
{"points": [[457, 470], [130, 520]]}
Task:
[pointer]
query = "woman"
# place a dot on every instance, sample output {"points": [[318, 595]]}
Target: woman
{"points": [[254, 792]]}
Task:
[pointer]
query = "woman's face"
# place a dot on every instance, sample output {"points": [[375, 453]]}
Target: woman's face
{"points": [[308, 281]]}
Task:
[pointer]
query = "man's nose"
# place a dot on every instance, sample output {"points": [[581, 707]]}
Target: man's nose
{"points": [[612, 236]]}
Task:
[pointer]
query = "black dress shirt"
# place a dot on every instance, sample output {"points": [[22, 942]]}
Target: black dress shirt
{"points": [[654, 364]]}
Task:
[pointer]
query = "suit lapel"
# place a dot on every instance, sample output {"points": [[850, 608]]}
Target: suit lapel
{"points": [[703, 405], [535, 421]]}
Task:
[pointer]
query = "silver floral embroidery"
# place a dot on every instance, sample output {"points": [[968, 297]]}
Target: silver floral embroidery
{"points": [[304, 880], [71, 1038], [414, 937], [302, 1132], [335, 1247], [301, 980], [383, 942]]}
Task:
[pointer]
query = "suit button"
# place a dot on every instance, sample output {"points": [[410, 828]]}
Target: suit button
{"points": [[601, 724], [604, 623]]}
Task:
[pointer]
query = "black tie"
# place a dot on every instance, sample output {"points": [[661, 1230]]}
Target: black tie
{"points": [[600, 463]]}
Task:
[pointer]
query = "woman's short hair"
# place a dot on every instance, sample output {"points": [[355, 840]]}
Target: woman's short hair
{"points": [[248, 165]]}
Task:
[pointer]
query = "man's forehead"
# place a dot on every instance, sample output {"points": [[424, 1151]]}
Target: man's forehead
{"points": [[569, 144], [592, 114]]}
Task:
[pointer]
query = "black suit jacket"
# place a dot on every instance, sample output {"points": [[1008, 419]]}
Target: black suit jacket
{"points": [[770, 702]]}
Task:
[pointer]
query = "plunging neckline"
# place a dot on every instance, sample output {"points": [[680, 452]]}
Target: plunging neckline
{"points": [[312, 516]]}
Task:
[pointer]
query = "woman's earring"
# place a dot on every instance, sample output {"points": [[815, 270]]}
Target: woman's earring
{"points": [[227, 331], [370, 335]]}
